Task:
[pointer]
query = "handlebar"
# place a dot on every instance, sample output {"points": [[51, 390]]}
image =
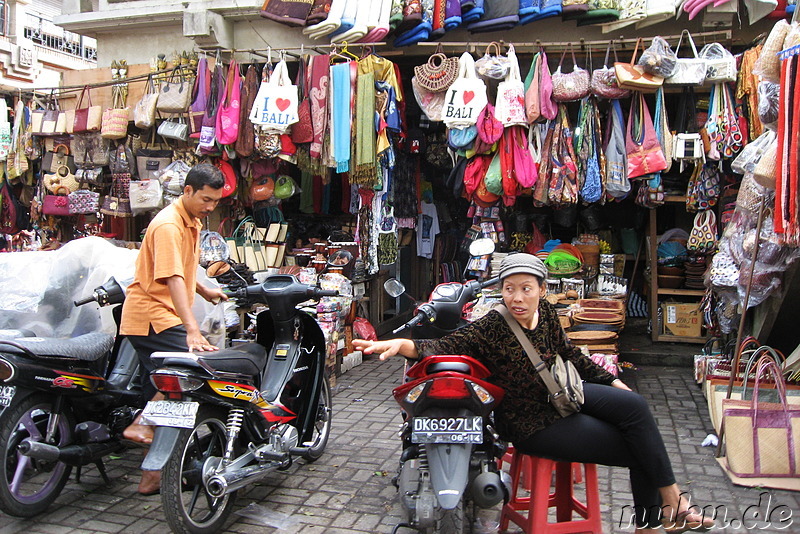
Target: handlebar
{"points": [[424, 312], [84, 300]]}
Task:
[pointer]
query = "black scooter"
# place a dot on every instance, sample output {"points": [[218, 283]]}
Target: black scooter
{"points": [[236, 415], [66, 403]]}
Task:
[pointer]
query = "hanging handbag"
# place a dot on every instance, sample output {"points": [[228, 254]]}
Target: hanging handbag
{"points": [[533, 109], [208, 131], [658, 58], [510, 103], [49, 126], [117, 204], [633, 77], [245, 143], [688, 70], [703, 237], [275, 106], [548, 106], [90, 149], [642, 149], [302, 131], [177, 130], [663, 133], [115, 119], [493, 65], [438, 73], [60, 156], [571, 86], [56, 204], [174, 94], [687, 142], [144, 113], [150, 163], [604, 80], [562, 379], [83, 202], [466, 97], [761, 436], [720, 63], [145, 195], [227, 127], [88, 119], [200, 90], [61, 179]]}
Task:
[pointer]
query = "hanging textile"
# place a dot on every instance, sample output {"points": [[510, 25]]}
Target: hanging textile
{"points": [[320, 66], [747, 91], [340, 127], [364, 149]]}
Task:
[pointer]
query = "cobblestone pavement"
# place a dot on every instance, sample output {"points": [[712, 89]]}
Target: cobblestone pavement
{"points": [[349, 489]]}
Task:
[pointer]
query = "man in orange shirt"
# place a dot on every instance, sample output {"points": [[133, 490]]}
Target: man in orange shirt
{"points": [[157, 314]]}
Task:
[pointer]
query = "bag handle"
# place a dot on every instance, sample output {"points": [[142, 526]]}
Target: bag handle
{"points": [[59, 147], [636, 49], [496, 46], [611, 46], [531, 352], [233, 72], [513, 72], [85, 91], [691, 42]]}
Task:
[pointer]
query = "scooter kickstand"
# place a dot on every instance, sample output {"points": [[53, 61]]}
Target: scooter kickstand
{"points": [[78, 474], [102, 469]]}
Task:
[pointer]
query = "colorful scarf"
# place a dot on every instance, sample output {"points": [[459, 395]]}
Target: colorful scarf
{"points": [[781, 166], [319, 12], [320, 66], [439, 9], [364, 148], [340, 127]]}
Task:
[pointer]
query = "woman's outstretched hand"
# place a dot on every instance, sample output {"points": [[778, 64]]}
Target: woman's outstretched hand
{"points": [[388, 348]]}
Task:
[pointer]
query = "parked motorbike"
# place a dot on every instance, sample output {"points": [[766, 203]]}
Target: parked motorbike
{"points": [[450, 448], [234, 416], [66, 403]]}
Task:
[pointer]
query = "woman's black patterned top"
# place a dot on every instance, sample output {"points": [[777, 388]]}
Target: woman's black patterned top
{"points": [[525, 409]]}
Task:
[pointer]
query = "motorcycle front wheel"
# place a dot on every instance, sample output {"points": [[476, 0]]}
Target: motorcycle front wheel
{"points": [[188, 507], [322, 425], [27, 485], [450, 521]]}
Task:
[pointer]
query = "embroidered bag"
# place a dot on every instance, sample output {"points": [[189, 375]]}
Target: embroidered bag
{"points": [[572, 86], [117, 204], [604, 80], [144, 113], [175, 93], [466, 97], [227, 126], [510, 108], [275, 106], [56, 204], [83, 201], [641, 145], [703, 237]]}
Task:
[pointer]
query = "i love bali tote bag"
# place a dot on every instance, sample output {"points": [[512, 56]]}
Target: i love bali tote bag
{"points": [[466, 97]]}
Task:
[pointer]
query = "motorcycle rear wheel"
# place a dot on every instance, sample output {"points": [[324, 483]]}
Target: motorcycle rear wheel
{"points": [[187, 505], [28, 486], [322, 424], [450, 521]]}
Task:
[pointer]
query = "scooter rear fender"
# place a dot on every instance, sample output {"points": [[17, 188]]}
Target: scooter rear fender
{"points": [[164, 442]]}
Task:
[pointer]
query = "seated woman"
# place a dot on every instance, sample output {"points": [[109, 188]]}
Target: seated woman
{"points": [[614, 427]]}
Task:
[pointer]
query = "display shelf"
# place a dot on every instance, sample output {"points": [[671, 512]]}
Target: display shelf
{"points": [[678, 339], [681, 292]]}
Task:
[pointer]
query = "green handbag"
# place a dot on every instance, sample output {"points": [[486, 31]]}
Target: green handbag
{"points": [[494, 176]]}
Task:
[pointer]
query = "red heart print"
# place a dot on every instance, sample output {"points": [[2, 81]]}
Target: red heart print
{"points": [[468, 96], [282, 103]]}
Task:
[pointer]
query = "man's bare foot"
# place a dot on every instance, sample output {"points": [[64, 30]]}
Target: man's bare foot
{"points": [[150, 483], [138, 432]]}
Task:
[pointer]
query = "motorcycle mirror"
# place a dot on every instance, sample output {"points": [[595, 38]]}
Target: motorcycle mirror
{"points": [[394, 287], [217, 269], [481, 247]]}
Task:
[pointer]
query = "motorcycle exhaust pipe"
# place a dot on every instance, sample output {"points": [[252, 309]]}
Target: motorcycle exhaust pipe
{"points": [[224, 483], [71, 454], [487, 489]]}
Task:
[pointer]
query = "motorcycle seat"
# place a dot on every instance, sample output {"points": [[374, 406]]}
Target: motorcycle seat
{"points": [[13, 333], [456, 367], [245, 359], [87, 347]]}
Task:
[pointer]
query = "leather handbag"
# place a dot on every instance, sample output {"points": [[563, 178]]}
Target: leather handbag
{"points": [[570, 86], [227, 127], [177, 130], [438, 73], [84, 119], [245, 143], [604, 80], [56, 204], [633, 77], [144, 113], [688, 70], [562, 379], [175, 93], [641, 144], [150, 162]]}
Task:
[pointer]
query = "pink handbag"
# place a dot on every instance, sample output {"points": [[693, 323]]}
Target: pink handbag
{"points": [[641, 143], [547, 105], [228, 112]]}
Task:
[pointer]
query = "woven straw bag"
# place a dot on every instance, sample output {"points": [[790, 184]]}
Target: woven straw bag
{"points": [[764, 172], [438, 73]]}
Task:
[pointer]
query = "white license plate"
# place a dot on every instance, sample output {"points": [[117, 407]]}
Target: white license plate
{"points": [[178, 414], [447, 430], [6, 394]]}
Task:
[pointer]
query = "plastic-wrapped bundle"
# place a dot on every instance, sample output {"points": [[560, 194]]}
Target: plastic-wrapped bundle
{"points": [[658, 59], [768, 103]]}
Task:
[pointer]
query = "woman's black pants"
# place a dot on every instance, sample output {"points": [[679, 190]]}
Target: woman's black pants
{"points": [[614, 427]]}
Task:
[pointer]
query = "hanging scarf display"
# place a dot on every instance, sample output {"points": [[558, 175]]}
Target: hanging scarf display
{"points": [[587, 144], [340, 115], [364, 152], [320, 66]]}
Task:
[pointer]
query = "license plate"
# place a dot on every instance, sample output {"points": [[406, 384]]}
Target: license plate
{"points": [[447, 430], [178, 414], [6, 394]]}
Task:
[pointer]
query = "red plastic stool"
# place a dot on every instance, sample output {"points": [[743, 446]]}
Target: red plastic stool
{"points": [[538, 472]]}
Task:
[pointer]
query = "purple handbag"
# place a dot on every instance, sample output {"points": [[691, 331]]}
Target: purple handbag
{"points": [[57, 205]]}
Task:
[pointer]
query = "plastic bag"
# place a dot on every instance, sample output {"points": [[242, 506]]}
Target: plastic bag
{"points": [[658, 59], [212, 248], [751, 154], [768, 103], [493, 66]]}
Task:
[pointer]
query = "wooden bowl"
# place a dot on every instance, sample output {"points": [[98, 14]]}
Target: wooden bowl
{"points": [[670, 282], [670, 270]]}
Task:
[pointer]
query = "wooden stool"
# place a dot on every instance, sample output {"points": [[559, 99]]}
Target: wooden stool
{"points": [[537, 473]]}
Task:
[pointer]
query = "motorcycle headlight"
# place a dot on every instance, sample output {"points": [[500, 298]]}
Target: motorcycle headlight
{"points": [[484, 396]]}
